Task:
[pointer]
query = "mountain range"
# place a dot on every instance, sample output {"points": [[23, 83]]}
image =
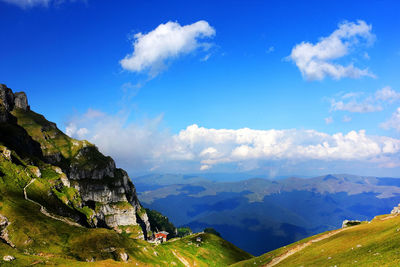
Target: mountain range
{"points": [[268, 213]]}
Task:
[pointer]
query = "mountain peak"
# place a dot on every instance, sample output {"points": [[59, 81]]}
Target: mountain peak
{"points": [[9, 100]]}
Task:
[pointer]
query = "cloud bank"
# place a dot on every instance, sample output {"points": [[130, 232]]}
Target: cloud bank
{"points": [[315, 61], [147, 147], [168, 41]]}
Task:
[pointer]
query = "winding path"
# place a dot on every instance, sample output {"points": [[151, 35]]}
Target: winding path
{"points": [[44, 210], [182, 259], [300, 247]]}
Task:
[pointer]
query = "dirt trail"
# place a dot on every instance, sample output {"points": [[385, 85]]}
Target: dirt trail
{"points": [[300, 247], [182, 259], [45, 212], [389, 217]]}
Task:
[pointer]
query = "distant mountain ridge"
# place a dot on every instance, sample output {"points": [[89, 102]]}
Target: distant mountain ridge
{"points": [[281, 211]]}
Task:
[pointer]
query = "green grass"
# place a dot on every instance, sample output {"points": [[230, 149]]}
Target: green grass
{"points": [[210, 251], [369, 244], [43, 240], [51, 139]]}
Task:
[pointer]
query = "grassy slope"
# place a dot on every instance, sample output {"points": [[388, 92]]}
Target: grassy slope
{"points": [[42, 240], [51, 139], [370, 244]]}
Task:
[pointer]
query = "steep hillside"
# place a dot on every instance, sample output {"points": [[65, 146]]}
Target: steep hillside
{"points": [[88, 184], [62, 202], [373, 243]]}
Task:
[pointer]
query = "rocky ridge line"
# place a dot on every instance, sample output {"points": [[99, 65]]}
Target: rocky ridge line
{"points": [[102, 186]]}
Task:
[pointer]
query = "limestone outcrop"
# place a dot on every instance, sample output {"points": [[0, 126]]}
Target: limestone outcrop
{"points": [[395, 210], [9, 100], [21, 101], [105, 193]]}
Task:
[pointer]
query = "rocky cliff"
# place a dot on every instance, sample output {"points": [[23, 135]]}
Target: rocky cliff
{"points": [[84, 180]]}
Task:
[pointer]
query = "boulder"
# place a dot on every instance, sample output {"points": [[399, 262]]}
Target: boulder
{"points": [[8, 258], [123, 256], [347, 223]]}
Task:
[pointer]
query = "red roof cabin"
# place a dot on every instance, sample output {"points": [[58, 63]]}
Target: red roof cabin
{"points": [[162, 236]]}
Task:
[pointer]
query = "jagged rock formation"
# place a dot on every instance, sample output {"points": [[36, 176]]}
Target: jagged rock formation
{"points": [[88, 182], [8, 101], [395, 210]]}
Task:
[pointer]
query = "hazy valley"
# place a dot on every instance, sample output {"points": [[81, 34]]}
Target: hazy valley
{"points": [[259, 215]]}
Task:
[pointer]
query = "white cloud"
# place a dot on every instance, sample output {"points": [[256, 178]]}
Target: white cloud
{"points": [[146, 146], [354, 106], [152, 50], [362, 103], [387, 94], [393, 122], [315, 61]]}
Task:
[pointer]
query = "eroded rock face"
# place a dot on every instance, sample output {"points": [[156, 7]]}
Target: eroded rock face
{"points": [[6, 97], [21, 101], [395, 210], [106, 189], [3, 230], [9, 100], [115, 216], [6, 103], [115, 199], [102, 187]]}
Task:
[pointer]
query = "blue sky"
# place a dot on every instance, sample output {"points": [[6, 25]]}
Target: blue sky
{"points": [[235, 69]]}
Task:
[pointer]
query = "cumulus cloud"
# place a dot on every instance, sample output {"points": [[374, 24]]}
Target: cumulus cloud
{"points": [[147, 147], [315, 61], [361, 103], [393, 122], [152, 50]]}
